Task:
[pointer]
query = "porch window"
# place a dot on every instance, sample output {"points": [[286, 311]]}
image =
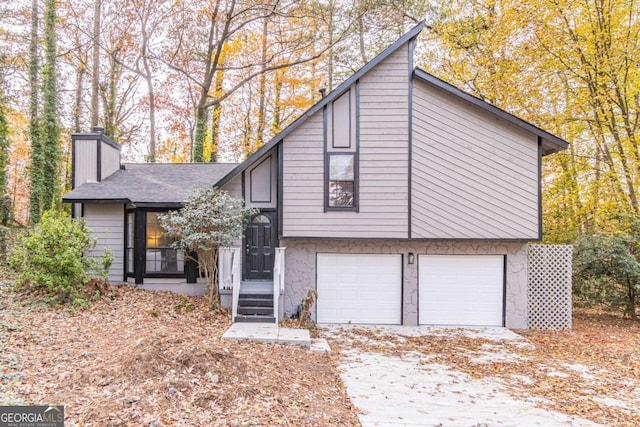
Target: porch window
{"points": [[341, 182], [148, 251], [130, 242], [161, 258]]}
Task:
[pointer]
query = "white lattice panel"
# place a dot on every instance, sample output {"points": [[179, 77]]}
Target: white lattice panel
{"points": [[549, 290]]}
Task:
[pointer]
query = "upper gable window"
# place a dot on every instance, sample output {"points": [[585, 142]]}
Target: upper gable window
{"points": [[341, 147], [341, 121], [341, 185]]}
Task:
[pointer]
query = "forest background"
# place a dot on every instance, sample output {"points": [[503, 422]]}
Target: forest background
{"points": [[192, 80]]}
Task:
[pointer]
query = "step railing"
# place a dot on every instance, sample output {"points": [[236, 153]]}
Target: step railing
{"points": [[229, 275], [278, 280]]}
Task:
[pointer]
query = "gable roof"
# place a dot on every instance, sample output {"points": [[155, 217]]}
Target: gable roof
{"points": [[409, 35], [551, 143], [151, 184]]}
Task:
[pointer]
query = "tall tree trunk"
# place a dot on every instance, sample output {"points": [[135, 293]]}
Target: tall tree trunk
{"points": [[215, 119], [247, 146], [77, 107], [262, 86], [330, 62], [50, 128], [277, 102], [212, 61], [95, 81], [110, 115], [152, 111], [4, 145], [201, 132], [35, 171], [363, 51]]}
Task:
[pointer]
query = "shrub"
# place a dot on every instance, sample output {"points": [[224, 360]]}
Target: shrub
{"points": [[210, 219], [4, 243], [606, 271], [50, 258]]}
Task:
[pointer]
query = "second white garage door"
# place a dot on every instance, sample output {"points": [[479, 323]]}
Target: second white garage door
{"points": [[461, 290], [359, 288]]}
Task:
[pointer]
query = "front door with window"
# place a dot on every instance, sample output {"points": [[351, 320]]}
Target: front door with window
{"points": [[260, 241]]}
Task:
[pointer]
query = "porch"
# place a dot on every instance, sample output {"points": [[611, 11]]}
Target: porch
{"points": [[254, 301]]}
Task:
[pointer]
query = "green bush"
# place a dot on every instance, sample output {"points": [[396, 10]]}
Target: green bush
{"points": [[4, 243], [606, 271], [50, 258]]}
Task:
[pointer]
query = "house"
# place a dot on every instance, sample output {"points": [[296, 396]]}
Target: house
{"points": [[398, 197]]}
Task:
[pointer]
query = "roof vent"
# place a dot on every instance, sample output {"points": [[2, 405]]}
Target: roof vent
{"points": [[323, 92], [97, 129]]}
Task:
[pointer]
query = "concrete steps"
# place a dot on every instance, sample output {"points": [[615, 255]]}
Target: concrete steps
{"points": [[255, 302]]}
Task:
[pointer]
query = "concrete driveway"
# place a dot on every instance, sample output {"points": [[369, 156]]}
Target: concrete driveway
{"points": [[392, 385]]}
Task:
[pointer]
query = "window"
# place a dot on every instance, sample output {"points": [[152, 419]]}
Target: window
{"points": [[161, 258], [341, 121], [130, 241], [341, 186]]}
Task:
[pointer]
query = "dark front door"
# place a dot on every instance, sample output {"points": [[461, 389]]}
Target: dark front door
{"points": [[260, 241]]}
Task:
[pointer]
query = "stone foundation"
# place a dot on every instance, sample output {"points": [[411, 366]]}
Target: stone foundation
{"points": [[300, 265]]}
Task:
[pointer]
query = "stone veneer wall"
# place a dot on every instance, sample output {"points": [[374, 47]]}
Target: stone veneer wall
{"points": [[300, 265]]}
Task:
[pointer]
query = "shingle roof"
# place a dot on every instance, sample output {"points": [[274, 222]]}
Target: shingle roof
{"points": [[151, 183]]}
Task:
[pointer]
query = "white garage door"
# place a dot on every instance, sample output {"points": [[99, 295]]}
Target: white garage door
{"points": [[359, 288], [461, 290]]}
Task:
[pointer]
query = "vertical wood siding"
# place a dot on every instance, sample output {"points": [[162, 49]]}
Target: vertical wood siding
{"points": [[384, 157], [106, 222], [85, 161], [473, 175], [110, 161]]}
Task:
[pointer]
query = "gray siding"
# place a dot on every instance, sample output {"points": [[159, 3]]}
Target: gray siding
{"points": [[85, 161], [234, 187], [473, 175], [106, 222], [383, 174], [261, 182], [110, 160]]}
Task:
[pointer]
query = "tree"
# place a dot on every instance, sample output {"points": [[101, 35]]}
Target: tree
{"points": [[4, 140], [144, 19], [606, 270], [37, 155], [570, 68], [95, 63], [210, 219], [50, 128], [227, 36]]}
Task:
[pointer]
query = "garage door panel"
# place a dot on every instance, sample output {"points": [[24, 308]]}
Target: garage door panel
{"points": [[359, 288], [461, 289]]}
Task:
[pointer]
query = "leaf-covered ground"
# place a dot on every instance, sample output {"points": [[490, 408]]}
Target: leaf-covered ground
{"points": [[592, 372], [144, 358], [148, 358]]}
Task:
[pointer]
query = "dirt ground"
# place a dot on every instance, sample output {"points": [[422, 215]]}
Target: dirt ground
{"points": [[149, 358]]}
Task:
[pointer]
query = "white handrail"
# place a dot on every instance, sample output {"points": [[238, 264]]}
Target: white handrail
{"points": [[235, 268], [225, 268], [229, 275], [278, 279]]}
